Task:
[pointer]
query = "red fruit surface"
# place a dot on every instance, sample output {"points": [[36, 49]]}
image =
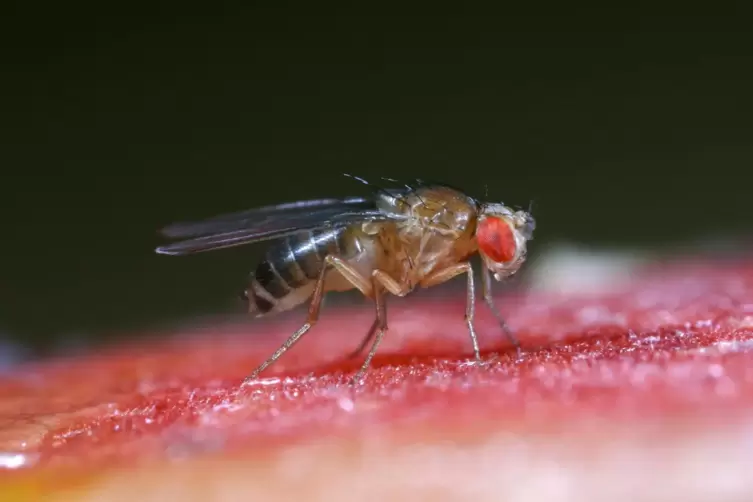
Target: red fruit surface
{"points": [[641, 394]]}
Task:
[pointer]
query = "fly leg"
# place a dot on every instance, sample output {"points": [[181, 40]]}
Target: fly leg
{"points": [[445, 275], [486, 283], [376, 332], [380, 281], [393, 287], [365, 342], [352, 275]]}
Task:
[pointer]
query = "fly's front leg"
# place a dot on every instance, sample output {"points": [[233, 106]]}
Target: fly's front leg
{"points": [[360, 282], [486, 283], [445, 275]]}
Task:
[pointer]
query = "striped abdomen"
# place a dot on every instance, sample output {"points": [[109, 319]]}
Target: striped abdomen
{"points": [[291, 266]]}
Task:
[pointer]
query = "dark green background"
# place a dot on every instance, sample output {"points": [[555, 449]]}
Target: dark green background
{"points": [[627, 126]]}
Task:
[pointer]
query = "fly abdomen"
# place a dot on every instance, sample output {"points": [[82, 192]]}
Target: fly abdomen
{"points": [[290, 267]]}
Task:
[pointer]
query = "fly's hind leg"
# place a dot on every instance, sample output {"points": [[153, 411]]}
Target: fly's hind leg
{"points": [[360, 282]]}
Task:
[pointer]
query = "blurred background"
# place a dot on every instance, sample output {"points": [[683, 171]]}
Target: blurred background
{"points": [[625, 127]]}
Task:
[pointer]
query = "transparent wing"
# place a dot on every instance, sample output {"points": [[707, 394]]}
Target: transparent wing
{"points": [[269, 222], [301, 209]]}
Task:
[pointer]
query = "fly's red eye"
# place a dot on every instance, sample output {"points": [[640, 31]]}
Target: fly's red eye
{"points": [[495, 239]]}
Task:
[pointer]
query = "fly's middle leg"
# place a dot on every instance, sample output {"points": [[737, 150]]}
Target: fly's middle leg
{"points": [[376, 332], [380, 281], [445, 275], [383, 279], [363, 284]]}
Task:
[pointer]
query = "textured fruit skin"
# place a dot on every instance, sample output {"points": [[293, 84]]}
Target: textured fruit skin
{"points": [[671, 347]]}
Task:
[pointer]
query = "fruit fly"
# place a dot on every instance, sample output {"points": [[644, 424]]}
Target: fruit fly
{"points": [[390, 242]]}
